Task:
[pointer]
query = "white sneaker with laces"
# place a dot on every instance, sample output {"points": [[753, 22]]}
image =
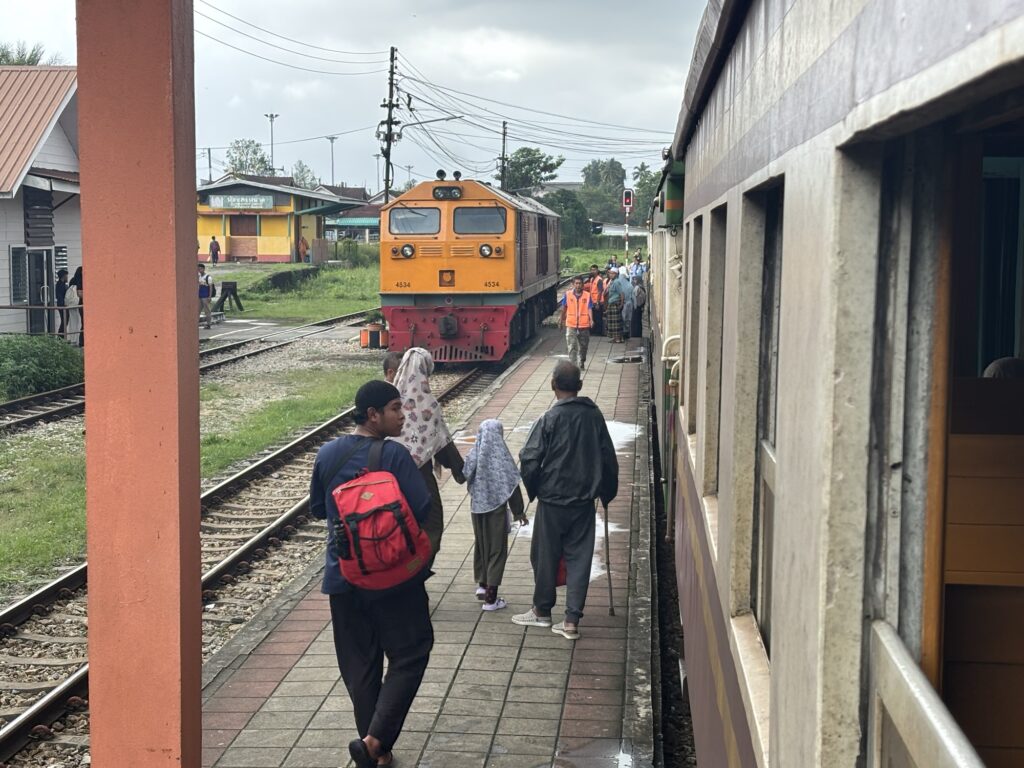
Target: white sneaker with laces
{"points": [[497, 605], [531, 619]]}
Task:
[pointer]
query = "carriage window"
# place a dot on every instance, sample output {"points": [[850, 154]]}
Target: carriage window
{"points": [[479, 221], [414, 221]]}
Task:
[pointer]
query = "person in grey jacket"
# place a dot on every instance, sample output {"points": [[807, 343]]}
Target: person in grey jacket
{"points": [[567, 462]]}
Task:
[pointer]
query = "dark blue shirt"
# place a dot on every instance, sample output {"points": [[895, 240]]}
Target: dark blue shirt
{"points": [[61, 292], [395, 458]]}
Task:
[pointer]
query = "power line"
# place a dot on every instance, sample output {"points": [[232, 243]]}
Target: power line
{"points": [[289, 50], [424, 81], [290, 39], [309, 138], [285, 64]]}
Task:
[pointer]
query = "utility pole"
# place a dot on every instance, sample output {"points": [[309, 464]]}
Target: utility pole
{"points": [[209, 163], [272, 117], [504, 138], [408, 170], [332, 139], [377, 155], [389, 126]]}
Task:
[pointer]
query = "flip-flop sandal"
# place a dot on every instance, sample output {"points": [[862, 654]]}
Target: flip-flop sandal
{"points": [[361, 754]]}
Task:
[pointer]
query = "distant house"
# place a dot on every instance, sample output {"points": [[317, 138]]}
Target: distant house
{"points": [[362, 223], [264, 218], [40, 219]]}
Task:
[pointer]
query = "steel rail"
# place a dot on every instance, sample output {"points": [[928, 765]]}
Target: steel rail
{"points": [[70, 694], [77, 391]]}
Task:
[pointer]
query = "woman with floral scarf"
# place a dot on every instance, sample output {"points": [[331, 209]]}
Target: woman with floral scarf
{"points": [[494, 499], [426, 435]]}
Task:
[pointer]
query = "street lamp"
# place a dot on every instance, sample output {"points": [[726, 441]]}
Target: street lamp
{"points": [[271, 116], [332, 139]]}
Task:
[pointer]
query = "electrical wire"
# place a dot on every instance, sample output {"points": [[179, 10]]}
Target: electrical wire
{"points": [[290, 39], [300, 141], [285, 64], [304, 54]]}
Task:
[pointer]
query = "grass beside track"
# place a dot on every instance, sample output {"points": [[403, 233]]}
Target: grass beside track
{"points": [[334, 291], [42, 472], [580, 259]]}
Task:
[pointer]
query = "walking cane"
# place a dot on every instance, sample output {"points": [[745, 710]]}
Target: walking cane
{"points": [[608, 561]]}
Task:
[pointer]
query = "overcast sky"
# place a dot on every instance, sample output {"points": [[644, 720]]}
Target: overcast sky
{"points": [[617, 63]]}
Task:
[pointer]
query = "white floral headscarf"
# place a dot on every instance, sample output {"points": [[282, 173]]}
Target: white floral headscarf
{"points": [[425, 432], [491, 472]]}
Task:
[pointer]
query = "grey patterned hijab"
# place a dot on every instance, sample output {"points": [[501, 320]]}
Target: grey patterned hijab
{"points": [[490, 470]]}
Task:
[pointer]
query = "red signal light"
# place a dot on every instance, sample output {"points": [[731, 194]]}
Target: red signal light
{"points": [[627, 198]]}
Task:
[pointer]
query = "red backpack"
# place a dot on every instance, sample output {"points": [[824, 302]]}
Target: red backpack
{"points": [[380, 543]]}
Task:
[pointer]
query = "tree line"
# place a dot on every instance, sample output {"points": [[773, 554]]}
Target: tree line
{"points": [[598, 200]]}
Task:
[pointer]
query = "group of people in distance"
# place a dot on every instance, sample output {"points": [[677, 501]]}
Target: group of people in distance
{"points": [[609, 303], [68, 296], [568, 462]]}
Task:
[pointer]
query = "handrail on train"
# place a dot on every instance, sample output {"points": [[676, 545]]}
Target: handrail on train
{"points": [[665, 357], [899, 688]]}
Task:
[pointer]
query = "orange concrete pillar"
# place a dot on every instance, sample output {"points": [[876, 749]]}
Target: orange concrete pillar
{"points": [[137, 150]]}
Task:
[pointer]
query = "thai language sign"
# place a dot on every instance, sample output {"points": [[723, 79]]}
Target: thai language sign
{"points": [[242, 202]]}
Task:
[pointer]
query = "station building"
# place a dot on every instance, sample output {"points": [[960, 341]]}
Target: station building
{"points": [[361, 224], [264, 218], [40, 216]]}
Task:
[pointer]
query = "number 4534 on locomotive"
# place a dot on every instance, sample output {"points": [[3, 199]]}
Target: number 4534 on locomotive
{"points": [[467, 271]]}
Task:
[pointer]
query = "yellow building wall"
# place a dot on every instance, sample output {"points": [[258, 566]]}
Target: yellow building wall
{"points": [[274, 226]]}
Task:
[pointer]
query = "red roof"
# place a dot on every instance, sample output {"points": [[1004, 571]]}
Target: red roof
{"points": [[31, 100]]}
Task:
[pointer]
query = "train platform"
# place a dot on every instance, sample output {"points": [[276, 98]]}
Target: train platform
{"points": [[495, 694]]}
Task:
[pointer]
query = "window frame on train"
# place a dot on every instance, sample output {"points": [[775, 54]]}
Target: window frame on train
{"points": [[398, 213], [478, 209]]}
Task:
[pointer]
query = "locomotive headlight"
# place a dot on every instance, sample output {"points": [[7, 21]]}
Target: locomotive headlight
{"points": [[408, 250], [486, 250]]}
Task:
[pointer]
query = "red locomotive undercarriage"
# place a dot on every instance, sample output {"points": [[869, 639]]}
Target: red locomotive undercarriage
{"points": [[453, 334]]}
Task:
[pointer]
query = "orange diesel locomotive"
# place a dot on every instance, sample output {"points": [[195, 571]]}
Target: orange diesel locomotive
{"points": [[466, 271]]}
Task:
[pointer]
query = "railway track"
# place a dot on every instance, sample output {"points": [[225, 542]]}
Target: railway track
{"points": [[68, 401], [43, 651]]}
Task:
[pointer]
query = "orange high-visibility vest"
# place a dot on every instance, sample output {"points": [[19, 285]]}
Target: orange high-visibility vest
{"points": [[595, 287], [577, 310]]}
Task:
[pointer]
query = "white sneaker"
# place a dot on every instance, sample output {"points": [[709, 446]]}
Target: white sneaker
{"points": [[531, 619], [497, 605], [481, 592]]}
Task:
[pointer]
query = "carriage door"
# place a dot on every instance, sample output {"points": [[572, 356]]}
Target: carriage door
{"points": [[983, 558], [40, 289]]}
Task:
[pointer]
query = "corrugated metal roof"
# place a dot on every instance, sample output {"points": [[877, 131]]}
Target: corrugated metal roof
{"points": [[31, 100]]}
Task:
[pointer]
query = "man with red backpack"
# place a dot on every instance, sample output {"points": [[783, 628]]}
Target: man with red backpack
{"points": [[374, 499]]}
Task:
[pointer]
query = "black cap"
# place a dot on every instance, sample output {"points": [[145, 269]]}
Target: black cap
{"points": [[374, 394], [61, 271]]}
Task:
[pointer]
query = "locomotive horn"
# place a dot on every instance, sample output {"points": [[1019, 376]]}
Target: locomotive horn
{"points": [[457, 175], [440, 175]]}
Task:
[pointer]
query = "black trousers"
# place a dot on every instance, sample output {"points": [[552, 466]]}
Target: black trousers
{"points": [[562, 532], [598, 327], [366, 628]]}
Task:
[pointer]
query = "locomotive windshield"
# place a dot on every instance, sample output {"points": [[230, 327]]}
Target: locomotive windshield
{"points": [[479, 221], [414, 221]]}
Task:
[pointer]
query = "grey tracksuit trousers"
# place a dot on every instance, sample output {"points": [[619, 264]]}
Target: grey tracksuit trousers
{"points": [[562, 532]]}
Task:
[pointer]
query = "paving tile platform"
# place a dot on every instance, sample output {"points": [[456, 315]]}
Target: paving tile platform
{"points": [[495, 694]]}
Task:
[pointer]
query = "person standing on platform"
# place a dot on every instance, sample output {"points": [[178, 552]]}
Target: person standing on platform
{"points": [[369, 626], [494, 499], [60, 293], [303, 249], [613, 307], [75, 297], [627, 301], [214, 250], [567, 462], [426, 435], [206, 291], [595, 287], [391, 362], [636, 328], [577, 319]]}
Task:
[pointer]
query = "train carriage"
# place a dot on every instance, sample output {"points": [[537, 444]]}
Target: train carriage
{"points": [[467, 271]]}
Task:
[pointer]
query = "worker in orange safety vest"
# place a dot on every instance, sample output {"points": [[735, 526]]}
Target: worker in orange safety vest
{"points": [[577, 320], [596, 287]]}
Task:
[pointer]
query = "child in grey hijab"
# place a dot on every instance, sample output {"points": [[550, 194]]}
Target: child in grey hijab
{"points": [[494, 499]]}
